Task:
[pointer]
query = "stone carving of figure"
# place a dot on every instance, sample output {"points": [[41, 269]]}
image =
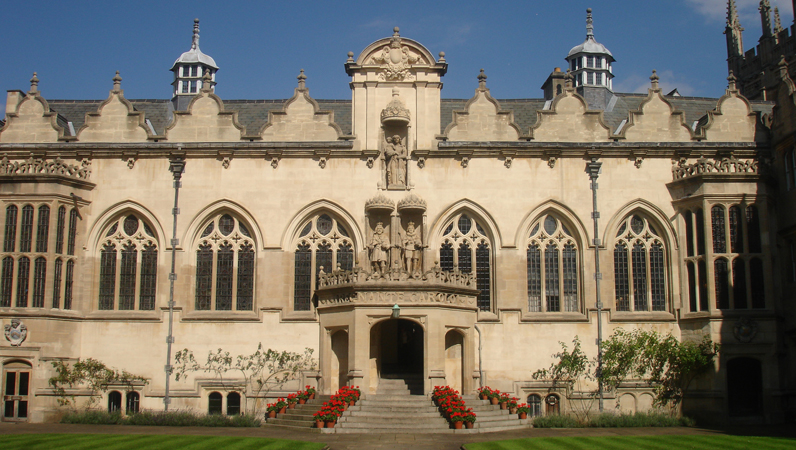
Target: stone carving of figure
{"points": [[412, 247], [379, 246], [396, 155]]}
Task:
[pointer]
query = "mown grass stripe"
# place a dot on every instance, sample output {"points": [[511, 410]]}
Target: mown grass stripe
{"points": [[154, 442], [666, 442]]}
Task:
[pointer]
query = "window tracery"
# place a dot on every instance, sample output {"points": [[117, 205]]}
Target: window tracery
{"points": [[128, 265], [552, 267], [639, 266], [225, 266], [325, 243], [465, 242]]}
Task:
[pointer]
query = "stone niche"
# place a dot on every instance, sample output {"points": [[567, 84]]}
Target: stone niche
{"points": [[395, 127]]}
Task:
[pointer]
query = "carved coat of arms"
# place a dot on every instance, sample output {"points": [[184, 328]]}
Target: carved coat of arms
{"points": [[395, 60], [16, 332]]}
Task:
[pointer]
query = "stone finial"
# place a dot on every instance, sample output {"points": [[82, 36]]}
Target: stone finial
{"points": [[568, 79], [589, 24], [350, 57], [195, 41], [442, 57], [482, 80], [301, 80], [395, 31], [765, 16], [117, 82], [732, 13], [777, 21], [783, 68], [34, 84], [654, 79], [731, 81]]}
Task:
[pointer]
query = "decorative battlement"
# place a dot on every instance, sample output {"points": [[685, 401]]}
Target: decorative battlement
{"points": [[454, 278], [33, 166], [731, 165]]}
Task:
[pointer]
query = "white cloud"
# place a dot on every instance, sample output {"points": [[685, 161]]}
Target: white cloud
{"points": [[668, 81], [716, 10]]}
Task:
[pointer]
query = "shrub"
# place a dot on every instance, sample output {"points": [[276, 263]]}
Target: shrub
{"points": [[649, 419], [556, 421], [93, 417], [244, 421]]}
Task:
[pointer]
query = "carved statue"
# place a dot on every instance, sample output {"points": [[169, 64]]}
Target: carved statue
{"points": [[395, 154], [379, 246], [412, 247]]}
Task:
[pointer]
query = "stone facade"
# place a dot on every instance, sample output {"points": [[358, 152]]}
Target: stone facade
{"points": [[305, 224]]}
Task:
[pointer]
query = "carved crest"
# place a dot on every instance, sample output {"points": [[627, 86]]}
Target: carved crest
{"points": [[745, 330], [16, 332], [396, 59]]}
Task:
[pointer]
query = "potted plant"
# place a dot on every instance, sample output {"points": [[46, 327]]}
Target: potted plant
{"points": [[281, 405], [292, 399], [457, 419], [322, 416], [523, 410], [469, 419], [302, 397], [494, 396], [271, 410], [513, 405], [504, 401], [310, 391], [483, 393]]}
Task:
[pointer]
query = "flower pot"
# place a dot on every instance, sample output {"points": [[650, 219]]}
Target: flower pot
{"points": [[312, 395], [513, 410], [271, 414], [457, 425], [330, 423], [319, 423], [352, 403], [291, 405], [282, 410], [484, 397], [504, 405], [523, 415], [302, 401], [469, 425], [494, 400]]}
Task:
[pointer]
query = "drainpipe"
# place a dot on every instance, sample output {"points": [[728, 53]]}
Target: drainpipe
{"points": [[176, 167], [593, 168], [480, 367]]}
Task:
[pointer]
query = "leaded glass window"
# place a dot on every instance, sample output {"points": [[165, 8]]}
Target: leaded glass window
{"points": [[6, 281], [552, 267], [535, 405], [753, 229], [639, 266], [59, 230], [26, 229], [39, 280], [10, 239], [717, 220], [70, 270], [70, 247], [739, 283], [225, 266], [43, 229], [57, 269], [464, 244], [721, 275], [23, 277], [736, 237], [128, 265], [323, 242]]}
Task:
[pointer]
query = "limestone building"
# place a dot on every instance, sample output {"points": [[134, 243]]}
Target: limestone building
{"points": [[403, 234]]}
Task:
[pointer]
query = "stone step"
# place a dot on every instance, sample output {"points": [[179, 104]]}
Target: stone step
{"points": [[408, 420], [501, 418], [391, 423], [394, 430], [302, 428], [383, 413], [415, 399], [294, 423], [384, 409]]}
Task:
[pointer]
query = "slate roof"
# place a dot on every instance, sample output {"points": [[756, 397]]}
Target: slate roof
{"points": [[253, 114]]}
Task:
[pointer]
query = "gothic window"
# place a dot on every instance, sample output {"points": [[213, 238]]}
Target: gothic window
{"points": [[26, 228], [114, 401], [639, 266], [59, 230], [23, 275], [39, 280], [225, 266], [43, 229], [57, 283], [70, 270], [552, 267], [6, 282], [466, 246], [9, 242], [70, 247], [324, 242], [128, 265]]}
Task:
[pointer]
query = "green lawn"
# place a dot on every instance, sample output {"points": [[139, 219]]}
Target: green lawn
{"points": [[140, 441], [639, 442]]}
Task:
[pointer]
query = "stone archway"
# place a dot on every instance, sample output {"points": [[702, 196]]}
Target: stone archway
{"points": [[398, 348], [454, 361], [339, 373]]}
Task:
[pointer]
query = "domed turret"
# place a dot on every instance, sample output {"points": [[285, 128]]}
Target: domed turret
{"points": [[590, 62], [189, 69]]}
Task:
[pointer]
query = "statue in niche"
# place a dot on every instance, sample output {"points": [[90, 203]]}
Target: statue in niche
{"points": [[412, 247], [395, 155], [379, 246]]}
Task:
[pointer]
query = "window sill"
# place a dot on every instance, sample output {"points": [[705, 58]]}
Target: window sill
{"points": [[125, 315], [727, 314], [220, 316], [643, 316], [553, 317], [299, 316]]}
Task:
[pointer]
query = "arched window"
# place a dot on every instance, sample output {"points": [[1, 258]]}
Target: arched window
{"points": [[6, 282], [466, 245], [43, 229], [133, 402], [535, 405], [59, 230], [323, 242], [128, 265], [39, 280], [225, 266], [233, 404], [57, 269], [114, 401], [70, 245], [10, 238], [717, 220], [26, 229], [552, 267], [23, 277], [70, 271], [214, 403], [639, 266]]}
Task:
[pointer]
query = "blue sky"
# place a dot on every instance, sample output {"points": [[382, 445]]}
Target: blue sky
{"points": [[76, 47]]}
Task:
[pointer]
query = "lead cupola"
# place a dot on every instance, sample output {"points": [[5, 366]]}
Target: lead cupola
{"points": [[189, 70]]}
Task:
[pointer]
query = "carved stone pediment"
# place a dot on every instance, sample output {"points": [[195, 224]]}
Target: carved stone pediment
{"points": [[395, 58]]}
